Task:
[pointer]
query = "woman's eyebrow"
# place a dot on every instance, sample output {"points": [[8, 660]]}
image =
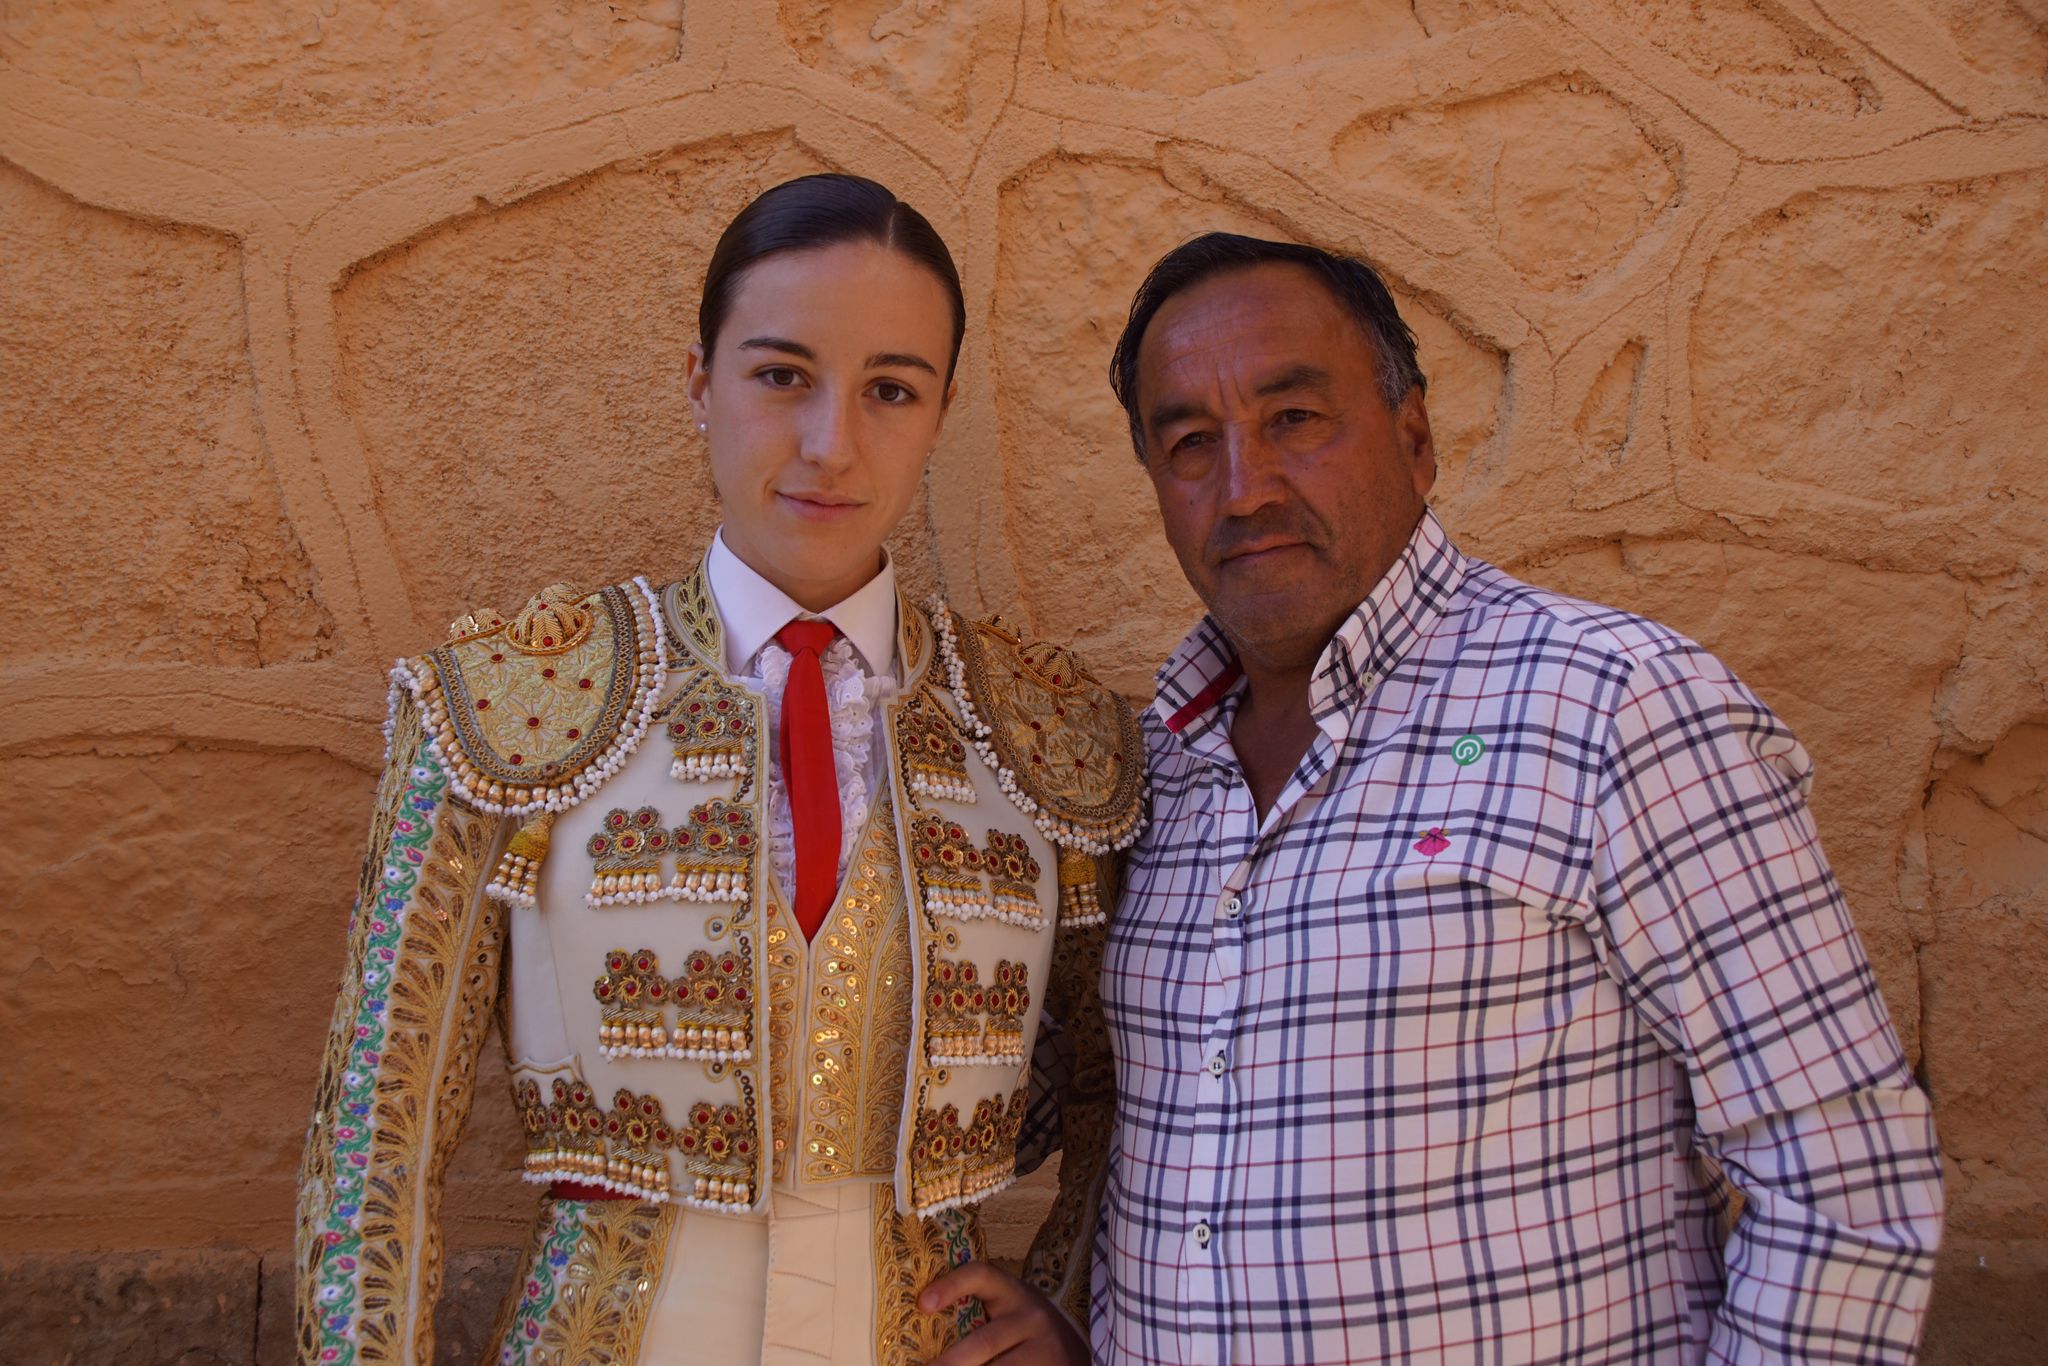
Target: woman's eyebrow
{"points": [[884, 359], [778, 344]]}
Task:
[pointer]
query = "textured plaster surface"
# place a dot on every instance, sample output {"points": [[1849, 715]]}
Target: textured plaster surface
{"points": [[328, 321]]}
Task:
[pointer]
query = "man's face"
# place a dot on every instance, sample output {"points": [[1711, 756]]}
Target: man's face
{"points": [[1287, 487]]}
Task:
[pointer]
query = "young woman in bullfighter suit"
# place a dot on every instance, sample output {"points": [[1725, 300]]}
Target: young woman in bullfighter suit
{"points": [[775, 881]]}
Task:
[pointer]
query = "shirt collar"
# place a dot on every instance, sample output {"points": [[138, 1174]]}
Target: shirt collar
{"points": [[1402, 609], [752, 610]]}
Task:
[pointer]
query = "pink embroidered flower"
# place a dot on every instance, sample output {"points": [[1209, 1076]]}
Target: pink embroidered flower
{"points": [[1433, 843]]}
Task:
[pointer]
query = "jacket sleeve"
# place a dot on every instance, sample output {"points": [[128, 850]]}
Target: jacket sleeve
{"points": [[416, 999], [1084, 1088]]}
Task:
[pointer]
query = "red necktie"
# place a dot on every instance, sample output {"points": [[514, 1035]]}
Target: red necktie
{"points": [[806, 747]]}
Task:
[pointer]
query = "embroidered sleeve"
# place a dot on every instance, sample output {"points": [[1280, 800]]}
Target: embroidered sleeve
{"points": [[415, 1003], [1058, 1263]]}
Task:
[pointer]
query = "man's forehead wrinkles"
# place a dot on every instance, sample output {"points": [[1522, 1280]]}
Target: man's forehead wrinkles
{"points": [[1225, 369]]}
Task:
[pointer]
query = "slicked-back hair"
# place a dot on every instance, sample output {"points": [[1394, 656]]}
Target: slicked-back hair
{"points": [[1354, 284], [822, 211]]}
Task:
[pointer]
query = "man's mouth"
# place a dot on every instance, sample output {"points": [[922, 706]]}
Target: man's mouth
{"points": [[1259, 551]]}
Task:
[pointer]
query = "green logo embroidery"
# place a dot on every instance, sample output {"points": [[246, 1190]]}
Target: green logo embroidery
{"points": [[1466, 749]]}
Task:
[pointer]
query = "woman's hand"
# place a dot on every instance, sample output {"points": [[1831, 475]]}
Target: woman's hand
{"points": [[1023, 1327]]}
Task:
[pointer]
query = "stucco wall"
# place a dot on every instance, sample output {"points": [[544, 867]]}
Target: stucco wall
{"points": [[326, 321]]}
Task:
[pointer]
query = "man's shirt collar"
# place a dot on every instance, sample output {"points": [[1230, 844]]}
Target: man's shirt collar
{"points": [[1401, 611], [752, 610]]}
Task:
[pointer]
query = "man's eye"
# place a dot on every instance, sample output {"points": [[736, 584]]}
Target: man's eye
{"points": [[1289, 417], [1193, 441]]}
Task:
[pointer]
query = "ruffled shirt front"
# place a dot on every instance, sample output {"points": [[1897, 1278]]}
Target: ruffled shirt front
{"points": [[861, 671]]}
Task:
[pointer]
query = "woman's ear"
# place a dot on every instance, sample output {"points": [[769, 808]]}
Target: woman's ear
{"points": [[697, 384], [945, 407]]}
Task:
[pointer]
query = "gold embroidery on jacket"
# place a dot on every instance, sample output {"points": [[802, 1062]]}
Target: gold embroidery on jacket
{"points": [[626, 857], [785, 961], [933, 754], [520, 716], [858, 1024], [600, 1311], [954, 1164], [710, 725], [909, 1254], [713, 1001], [444, 978], [716, 849], [517, 879]]}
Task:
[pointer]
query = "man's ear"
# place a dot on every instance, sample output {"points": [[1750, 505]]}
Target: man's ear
{"points": [[1418, 447]]}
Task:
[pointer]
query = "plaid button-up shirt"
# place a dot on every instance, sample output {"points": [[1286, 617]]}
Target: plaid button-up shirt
{"points": [[1460, 1051]]}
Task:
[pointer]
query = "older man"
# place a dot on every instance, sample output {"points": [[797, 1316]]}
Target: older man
{"points": [[1481, 949]]}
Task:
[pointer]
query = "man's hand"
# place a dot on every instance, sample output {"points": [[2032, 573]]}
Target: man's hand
{"points": [[1023, 1327]]}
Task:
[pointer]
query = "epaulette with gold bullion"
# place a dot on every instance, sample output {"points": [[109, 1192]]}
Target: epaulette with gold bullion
{"points": [[534, 714], [1065, 747]]}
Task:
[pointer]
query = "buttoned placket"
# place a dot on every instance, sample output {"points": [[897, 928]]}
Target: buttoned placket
{"points": [[1204, 1280], [1239, 836]]}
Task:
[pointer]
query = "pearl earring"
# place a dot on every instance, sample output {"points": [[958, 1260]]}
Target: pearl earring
{"points": [[703, 426]]}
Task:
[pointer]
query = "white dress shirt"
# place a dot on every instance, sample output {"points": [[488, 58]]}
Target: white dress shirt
{"points": [[861, 669]]}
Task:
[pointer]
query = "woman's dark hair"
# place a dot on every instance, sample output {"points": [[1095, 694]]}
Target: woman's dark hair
{"points": [[822, 211], [1354, 284]]}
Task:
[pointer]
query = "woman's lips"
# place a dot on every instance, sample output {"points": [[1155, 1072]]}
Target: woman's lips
{"points": [[818, 507]]}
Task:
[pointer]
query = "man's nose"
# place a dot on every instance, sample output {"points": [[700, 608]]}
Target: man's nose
{"points": [[831, 430], [1251, 470]]}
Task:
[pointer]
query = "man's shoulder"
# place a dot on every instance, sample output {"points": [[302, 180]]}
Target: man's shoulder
{"points": [[1501, 605], [533, 711]]}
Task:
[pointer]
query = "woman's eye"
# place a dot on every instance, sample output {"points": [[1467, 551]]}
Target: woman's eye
{"points": [[889, 391], [782, 377]]}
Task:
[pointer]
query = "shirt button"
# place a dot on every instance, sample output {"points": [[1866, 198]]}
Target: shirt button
{"points": [[1216, 1065], [1202, 1234], [1233, 906]]}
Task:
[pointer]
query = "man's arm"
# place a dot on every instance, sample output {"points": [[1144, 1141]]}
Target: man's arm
{"points": [[1716, 912], [395, 1087]]}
